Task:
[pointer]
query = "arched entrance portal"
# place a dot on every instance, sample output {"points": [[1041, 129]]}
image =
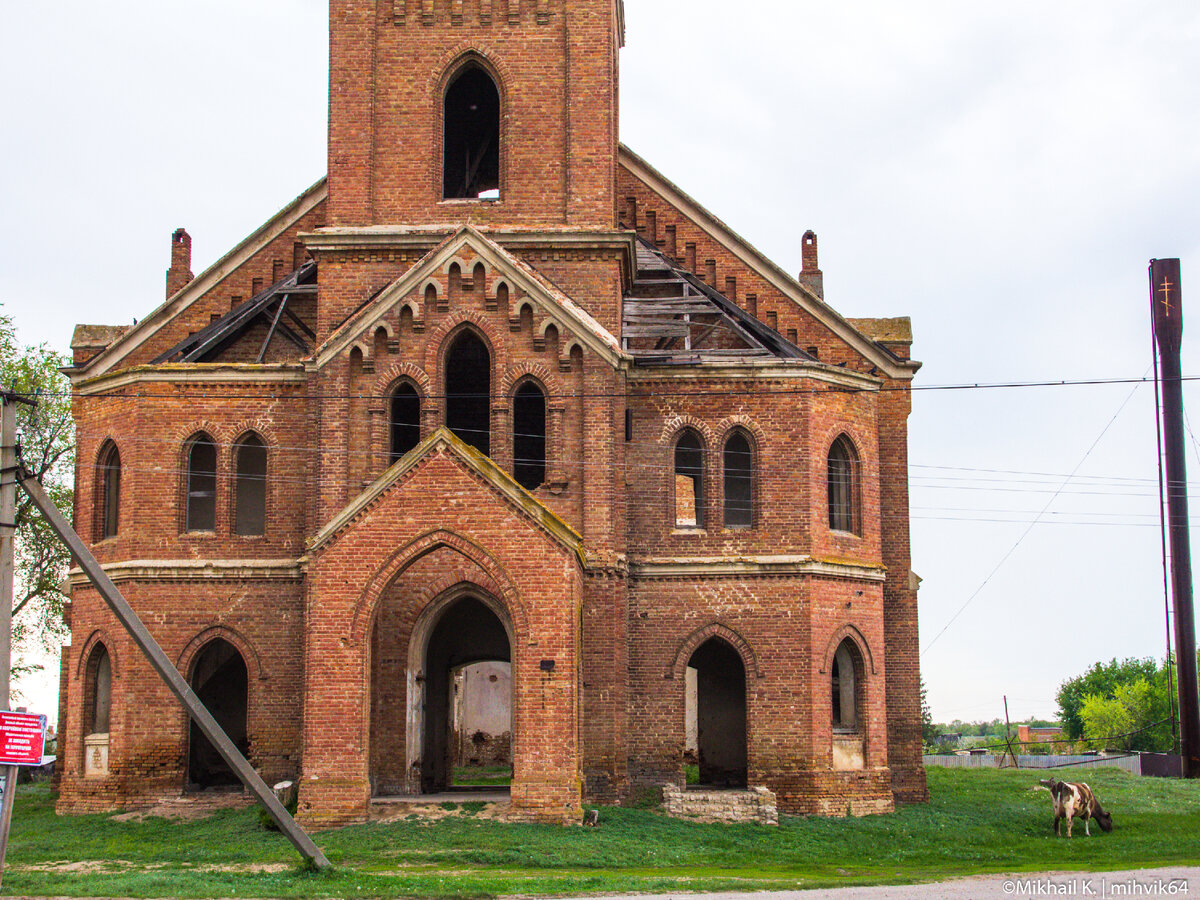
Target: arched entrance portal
{"points": [[466, 634], [220, 681], [716, 713]]}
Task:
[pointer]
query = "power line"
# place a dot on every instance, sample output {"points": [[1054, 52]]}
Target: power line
{"points": [[635, 391], [1031, 525]]}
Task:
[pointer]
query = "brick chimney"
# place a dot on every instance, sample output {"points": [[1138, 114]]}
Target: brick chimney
{"points": [[180, 273], [810, 275]]}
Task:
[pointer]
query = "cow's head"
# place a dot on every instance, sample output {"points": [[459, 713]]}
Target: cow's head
{"points": [[1105, 820]]}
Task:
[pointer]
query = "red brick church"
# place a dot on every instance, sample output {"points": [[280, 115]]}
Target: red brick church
{"points": [[496, 391]]}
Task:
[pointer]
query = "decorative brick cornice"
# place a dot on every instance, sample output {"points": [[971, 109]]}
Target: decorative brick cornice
{"points": [[193, 373], [548, 299], [707, 566], [195, 570]]}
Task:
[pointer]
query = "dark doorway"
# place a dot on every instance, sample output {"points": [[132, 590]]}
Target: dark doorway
{"points": [[720, 714], [468, 391], [471, 139], [468, 632], [220, 681]]}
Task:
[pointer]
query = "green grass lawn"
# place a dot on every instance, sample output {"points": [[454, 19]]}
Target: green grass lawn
{"points": [[978, 822], [482, 776]]}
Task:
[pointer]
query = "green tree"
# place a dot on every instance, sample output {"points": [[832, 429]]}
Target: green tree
{"points": [[47, 440], [1100, 680], [929, 731]]}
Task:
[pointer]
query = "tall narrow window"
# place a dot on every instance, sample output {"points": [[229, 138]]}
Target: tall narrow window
{"points": [[529, 436], [842, 479], [738, 462], [689, 481], [201, 484], [250, 486], [468, 390], [108, 481], [404, 415], [471, 137]]}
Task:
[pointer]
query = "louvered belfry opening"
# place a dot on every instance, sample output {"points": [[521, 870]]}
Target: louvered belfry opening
{"points": [[471, 141]]}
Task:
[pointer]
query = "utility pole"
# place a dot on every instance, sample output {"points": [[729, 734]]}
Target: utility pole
{"points": [[1166, 301], [8, 535]]}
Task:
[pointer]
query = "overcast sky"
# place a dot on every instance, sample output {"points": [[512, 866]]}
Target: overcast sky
{"points": [[1001, 173]]}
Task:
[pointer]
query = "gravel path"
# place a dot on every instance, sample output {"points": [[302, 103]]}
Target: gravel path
{"points": [[1178, 881]]}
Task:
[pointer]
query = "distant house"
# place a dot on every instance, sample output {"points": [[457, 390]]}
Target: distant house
{"points": [[1039, 734]]}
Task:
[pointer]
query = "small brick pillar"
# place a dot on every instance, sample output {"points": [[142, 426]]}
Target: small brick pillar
{"points": [[180, 273]]}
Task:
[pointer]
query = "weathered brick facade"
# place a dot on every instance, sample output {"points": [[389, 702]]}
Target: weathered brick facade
{"points": [[643, 546]]}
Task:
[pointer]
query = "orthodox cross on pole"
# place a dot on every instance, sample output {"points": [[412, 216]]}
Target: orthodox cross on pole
{"points": [[1165, 290]]}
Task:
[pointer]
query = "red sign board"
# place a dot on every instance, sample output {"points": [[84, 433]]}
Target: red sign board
{"points": [[22, 738]]}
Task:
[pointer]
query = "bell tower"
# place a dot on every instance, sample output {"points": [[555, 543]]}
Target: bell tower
{"points": [[500, 112]]}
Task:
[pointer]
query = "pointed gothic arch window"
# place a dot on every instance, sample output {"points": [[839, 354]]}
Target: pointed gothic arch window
{"points": [[201, 484], [108, 481], [842, 482], [738, 464], [99, 685], [250, 486], [847, 684], [404, 418], [529, 436], [468, 390], [471, 136], [689, 480]]}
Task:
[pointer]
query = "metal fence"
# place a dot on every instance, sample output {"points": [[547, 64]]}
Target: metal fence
{"points": [[1131, 764]]}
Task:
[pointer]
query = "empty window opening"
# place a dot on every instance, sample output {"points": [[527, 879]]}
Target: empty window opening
{"points": [[250, 486], [202, 485], [529, 436], [405, 419], [848, 681], [109, 481], [220, 681], [380, 349], [468, 633], [471, 137], [739, 482], [716, 715], [468, 390], [842, 478], [689, 481]]}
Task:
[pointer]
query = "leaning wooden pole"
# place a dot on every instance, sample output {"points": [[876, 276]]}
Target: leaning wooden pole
{"points": [[1167, 302], [167, 671]]}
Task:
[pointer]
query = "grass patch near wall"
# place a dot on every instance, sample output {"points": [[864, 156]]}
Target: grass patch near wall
{"points": [[979, 821]]}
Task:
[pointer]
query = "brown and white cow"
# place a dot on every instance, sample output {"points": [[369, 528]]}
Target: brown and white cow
{"points": [[1075, 799]]}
